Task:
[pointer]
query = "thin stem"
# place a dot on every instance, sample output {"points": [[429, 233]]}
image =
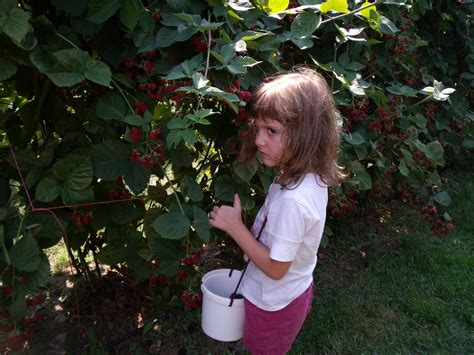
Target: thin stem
{"points": [[347, 14], [175, 193], [123, 95], [67, 40], [209, 42]]}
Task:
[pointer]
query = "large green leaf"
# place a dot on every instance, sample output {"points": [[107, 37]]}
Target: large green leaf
{"points": [[305, 24], [245, 171], [110, 159], [101, 10], [75, 170], [168, 253], [123, 213], [361, 176], [48, 190], [66, 74], [274, 6], [191, 188], [25, 254], [98, 72], [335, 5], [443, 198], [75, 8], [45, 228], [7, 68], [434, 152], [130, 13], [77, 196], [17, 24], [202, 225], [241, 5], [172, 225], [17, 309], [111, 107], [38, 277]]}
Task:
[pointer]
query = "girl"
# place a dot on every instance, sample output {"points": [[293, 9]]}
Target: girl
{"points": [[294, 130]]}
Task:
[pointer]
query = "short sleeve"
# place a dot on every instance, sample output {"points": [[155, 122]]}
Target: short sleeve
{"points": [[286, 225]]}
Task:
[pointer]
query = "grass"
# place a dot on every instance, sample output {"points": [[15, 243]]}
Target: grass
{"points": [[412, 293]]}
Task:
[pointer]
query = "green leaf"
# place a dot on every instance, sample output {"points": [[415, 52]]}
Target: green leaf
{"points": [[354, 138], [386, 26], [434, 152], [241, 5], [17, 24], [75, 8], [168, 253], [7, 68], [305, 24], [366, 12], [130, 13], [101, 10], [199, 81], [402, 90], [172, 225], [226, 188], [123, 213], [361, 176], [110, 159], [77, 196], [202, 225], [274, 6], [191, 188], [48, 190], [45, 229], [245, 171], [98, 72], [111, 107], [17, 309], [25, 254], [443, 198], [66, 74], [335, 5], [42, 59], [75, 170]]}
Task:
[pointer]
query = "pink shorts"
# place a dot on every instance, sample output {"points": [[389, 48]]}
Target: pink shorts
{"points": [[267, 332]]}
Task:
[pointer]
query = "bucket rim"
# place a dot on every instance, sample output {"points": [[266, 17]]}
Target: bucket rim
{"points": [[219, 299]]}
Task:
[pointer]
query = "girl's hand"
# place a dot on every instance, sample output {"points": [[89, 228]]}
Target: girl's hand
{"points": [[226, 217]]}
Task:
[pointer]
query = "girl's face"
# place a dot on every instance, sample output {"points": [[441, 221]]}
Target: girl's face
{"points": [[269, 139]]}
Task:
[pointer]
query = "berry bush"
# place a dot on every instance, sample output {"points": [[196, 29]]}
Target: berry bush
{"points": [[121, 122]]}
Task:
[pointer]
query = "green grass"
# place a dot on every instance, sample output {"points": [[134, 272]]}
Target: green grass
{"points": [[414, 294]]}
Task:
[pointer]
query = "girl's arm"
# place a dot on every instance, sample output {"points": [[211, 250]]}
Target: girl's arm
{"points": [[229, 219]]}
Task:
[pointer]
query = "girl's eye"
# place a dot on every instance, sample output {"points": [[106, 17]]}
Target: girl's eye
{"points": [[271, 131]]}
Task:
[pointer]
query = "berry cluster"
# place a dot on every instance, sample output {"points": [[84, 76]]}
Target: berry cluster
{"points": [[155, 155], [199, 44], [243, 95], [431, 110], [340, 205], [356, 112], [194, 258], [81, 218], [191, 301], [181, 275], [442, 227], [157, 281]]}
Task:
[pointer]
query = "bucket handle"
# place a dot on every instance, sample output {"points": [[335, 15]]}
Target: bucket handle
{"points": [[234, 294]]}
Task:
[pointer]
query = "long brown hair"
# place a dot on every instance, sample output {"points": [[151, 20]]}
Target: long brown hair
{"points": [[302, 102]]}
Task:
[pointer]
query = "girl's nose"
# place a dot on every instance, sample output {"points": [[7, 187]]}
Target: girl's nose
{"points": [[259, 139]]}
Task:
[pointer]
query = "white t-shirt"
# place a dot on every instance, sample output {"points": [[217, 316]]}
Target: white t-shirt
{"points": [[295, 224]]}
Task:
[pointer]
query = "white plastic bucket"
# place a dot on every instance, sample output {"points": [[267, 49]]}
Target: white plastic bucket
{"points": [[219, 321]]}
